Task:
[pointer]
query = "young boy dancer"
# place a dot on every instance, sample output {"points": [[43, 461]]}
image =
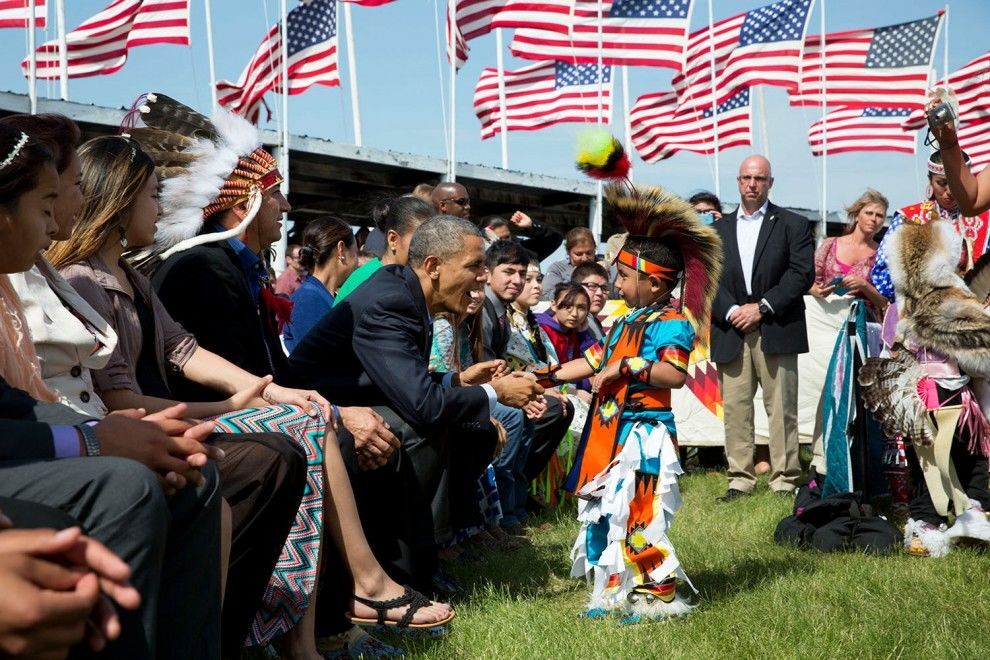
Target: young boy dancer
{"points": [[626, 471]]}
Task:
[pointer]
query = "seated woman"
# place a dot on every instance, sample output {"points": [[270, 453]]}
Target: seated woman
{"points": [[534, 348], [121, 211], [580, 245], [329, 254], [456, 346], [842, 266]]}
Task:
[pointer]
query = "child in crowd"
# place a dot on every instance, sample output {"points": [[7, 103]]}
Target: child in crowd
{"points": [[568, 313], [595, 280], [625, 475]]}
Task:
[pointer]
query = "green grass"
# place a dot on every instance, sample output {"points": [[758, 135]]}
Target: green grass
{"points": [[758, 600]]}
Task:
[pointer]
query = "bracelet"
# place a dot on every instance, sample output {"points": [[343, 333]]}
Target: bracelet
{"points": [[335, 412], [90, 440], [636, 368]]}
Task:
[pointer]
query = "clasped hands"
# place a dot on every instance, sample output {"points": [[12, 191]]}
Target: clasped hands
{"points": [[57, 590], [746, 318]]}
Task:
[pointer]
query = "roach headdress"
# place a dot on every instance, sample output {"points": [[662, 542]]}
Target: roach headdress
{"points": [[653, 214], [204, 166]]}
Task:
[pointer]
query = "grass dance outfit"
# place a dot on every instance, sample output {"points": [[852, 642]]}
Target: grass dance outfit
{"points": [[626, 473]]}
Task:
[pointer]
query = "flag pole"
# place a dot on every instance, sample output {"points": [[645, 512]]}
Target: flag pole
{"points": [[283, 241], [821, 53], [209, 51], [452, 45], [625, 113], [63, 51], [503, 121], [32, 60], [764, 130], [352, 73], [596, 222], [711, 63], [945, 47]]}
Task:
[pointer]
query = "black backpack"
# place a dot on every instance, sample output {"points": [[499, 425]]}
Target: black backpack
{"points": [[836, 523]]}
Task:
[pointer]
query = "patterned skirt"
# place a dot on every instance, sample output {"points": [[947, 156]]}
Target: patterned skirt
{"points": [[288, 593]]}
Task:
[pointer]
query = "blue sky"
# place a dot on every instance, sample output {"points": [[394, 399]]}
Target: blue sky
{"points": [[402, 108]]}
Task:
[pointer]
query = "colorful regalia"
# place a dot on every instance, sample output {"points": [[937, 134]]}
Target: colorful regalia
{"points": [[930, 391], [625, 475]]}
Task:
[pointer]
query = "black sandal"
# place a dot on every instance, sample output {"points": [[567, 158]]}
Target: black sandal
{"points": [[415, 601]]}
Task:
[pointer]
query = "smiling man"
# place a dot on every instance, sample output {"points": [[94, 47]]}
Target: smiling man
{"points": [[373, 349]]}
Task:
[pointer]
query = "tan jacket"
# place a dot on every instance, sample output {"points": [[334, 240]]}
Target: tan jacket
{"points": [[70, 337], [173, 345]]}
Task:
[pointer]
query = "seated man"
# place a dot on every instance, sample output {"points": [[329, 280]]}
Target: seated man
{"points": [[507, 262], [50, 455], [373, 349]]}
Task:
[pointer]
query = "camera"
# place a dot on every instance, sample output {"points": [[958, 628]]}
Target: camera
{"points": [[940, 115]]}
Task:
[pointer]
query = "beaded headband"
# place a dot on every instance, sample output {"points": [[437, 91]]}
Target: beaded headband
{"points": [[938, 169], [641, 265], [16, 150]]}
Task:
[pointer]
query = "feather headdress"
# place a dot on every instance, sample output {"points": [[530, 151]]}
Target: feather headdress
{"points": [[653, 213], [204, 166]]}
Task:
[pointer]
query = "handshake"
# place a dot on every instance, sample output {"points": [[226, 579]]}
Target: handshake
{"points": [[514, 389]]}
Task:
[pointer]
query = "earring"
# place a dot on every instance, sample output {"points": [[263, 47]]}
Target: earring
{"points": [[929, 193], [123, 237]]}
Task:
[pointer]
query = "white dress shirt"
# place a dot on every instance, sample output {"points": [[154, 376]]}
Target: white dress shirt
{"points": [[747, 234]]}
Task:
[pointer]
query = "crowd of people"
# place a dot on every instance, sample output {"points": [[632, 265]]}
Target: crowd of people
{"points": [[196, 456]]}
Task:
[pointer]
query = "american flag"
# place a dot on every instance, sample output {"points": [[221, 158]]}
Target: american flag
{"points": [[883, 67], [660, 128], [862, 129], [15, 13], [312, 30], [99, 46], [474, 18], [971, 84], [634, 32], [759, 47], [541, 95]]}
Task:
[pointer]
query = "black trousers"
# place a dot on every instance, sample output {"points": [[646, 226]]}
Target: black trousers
{"points": [[409, 506], [548, 433], [262, 476], [973, 477]]}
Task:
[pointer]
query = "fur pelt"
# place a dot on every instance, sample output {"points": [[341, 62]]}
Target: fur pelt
{"points": [[937, 310], [655, 213]]}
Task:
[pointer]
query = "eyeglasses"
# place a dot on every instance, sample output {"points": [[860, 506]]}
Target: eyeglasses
{"points": [[753, 179], [591, 286], [460, 201]]}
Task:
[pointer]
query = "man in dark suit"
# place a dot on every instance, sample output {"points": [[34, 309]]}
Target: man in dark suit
{"points": [[373, 349], [758, 327]]}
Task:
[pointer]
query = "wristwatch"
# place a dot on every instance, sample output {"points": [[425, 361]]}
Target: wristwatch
{"points": [[89, 439], [764, 308]]}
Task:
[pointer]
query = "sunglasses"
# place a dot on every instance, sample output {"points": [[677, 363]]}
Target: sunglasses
{"points": [[460, 201]]}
